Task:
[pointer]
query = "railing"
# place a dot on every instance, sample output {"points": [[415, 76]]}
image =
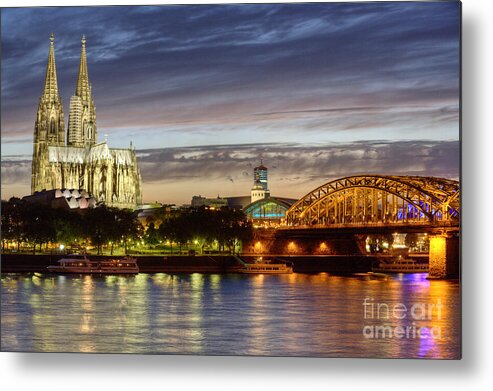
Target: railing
{"points": [[444, 224]]}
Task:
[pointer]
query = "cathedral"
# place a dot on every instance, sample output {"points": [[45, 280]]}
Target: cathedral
{"points": [[111, 175]]}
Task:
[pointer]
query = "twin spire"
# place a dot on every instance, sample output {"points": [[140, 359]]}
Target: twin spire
{"points": [[51, 86], [83, 88], [82, 129]]}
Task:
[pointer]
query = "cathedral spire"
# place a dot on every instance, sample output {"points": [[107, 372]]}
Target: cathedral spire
{"points": [[83, 88], [49, 128], [82, 130], [50, 91]]}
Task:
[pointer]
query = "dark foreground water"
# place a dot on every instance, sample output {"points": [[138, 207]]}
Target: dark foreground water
{"points": [[284, 315]]}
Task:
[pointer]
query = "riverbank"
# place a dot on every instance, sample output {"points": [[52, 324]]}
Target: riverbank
{"points": [[20, 263]]}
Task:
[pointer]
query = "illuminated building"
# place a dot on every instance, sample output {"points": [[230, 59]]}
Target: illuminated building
{"points": [[268, 211], [218, 203], [62, 198], [155, 213], [260, 176], [111, 175], [258, 192], [263, 209], [260, 189]]}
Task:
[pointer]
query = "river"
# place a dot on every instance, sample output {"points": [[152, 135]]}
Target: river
{"points": [[232, 314]]}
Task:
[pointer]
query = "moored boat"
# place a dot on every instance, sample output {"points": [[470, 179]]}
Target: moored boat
{"points": [[401, 265], [267, 267], [80, 264]]}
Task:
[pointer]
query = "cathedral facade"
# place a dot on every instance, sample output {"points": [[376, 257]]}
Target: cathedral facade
{"points": [[111, 175]]}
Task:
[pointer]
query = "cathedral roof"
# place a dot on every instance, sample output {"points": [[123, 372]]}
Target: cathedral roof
{"points": [[101, 151]]}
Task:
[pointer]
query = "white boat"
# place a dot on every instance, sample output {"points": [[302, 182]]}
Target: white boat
{"points": [[400, 265], [267, 267], [82, 265]]}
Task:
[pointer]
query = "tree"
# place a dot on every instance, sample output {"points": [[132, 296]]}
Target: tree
{"points": [[236, 228], [229, 227], [177, 229], [68, 226], [127, 226], [99, 223], [12, 221], [181, 230], [203, 226], [165, 233], [38, 226], [151, 235]]}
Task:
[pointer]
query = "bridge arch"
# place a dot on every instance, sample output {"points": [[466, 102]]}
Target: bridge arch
{"points": [[363, 199]]}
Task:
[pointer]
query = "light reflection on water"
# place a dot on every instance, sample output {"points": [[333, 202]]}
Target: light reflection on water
{"points": [[283, 315]]}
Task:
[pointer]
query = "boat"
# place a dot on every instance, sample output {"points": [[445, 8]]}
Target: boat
{"points": [[82, 265], [267, 267], [400, 265]]}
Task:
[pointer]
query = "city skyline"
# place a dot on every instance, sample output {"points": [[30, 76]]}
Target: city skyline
{"points": [[317, 90]]}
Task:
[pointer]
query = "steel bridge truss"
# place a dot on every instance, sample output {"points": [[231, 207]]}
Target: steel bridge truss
{"points": [[378, 199]]}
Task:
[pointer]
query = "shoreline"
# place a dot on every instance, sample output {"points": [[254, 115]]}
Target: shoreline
{"points": [[24, 263]]}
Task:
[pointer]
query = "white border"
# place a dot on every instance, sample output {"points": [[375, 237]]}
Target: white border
{"points": [[475, 371]]}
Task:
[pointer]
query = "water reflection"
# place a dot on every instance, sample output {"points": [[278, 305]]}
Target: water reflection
{"points": [[297, 314]]}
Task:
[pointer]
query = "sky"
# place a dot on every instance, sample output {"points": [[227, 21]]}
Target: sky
{"points": [[203, 92]]}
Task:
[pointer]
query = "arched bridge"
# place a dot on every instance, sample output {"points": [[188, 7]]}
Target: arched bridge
{"points": [[369, 199]]}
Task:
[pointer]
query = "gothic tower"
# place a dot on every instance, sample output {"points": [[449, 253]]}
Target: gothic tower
{"points": [[82, 129], [111, 175], [49, 128], [259, 189]]}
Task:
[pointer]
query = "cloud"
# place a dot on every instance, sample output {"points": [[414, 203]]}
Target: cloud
{"points": [[16, 176], [294, 169], [317, 90], [173, 175], [160, 66]]}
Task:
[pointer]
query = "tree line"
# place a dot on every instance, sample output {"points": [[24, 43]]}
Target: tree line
{"points": [[223, 228], [38, 225]]}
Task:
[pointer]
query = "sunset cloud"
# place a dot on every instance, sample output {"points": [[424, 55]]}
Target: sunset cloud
{"points": [[175, 174], [300, 84]]}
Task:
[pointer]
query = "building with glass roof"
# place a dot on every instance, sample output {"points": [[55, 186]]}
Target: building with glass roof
{"points": [[268, 212]]}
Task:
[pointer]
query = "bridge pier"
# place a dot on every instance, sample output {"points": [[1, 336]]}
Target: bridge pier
{"points": [[444, 257]]}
